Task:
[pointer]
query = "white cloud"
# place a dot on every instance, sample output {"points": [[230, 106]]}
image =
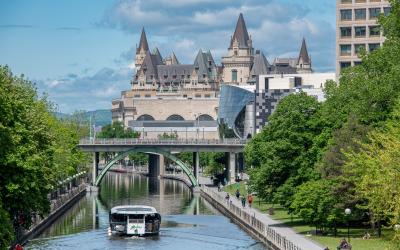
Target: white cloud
{"points": [[87, 92], [276, 27]]}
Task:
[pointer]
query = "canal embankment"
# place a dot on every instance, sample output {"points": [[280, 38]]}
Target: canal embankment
{"points": [[58, 206], [272, 233]]}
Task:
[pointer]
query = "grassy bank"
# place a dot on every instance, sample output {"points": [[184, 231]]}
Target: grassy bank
{"points": [[280, 214]]}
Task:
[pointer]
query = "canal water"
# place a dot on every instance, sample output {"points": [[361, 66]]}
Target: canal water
{"points": [[188, 221]]}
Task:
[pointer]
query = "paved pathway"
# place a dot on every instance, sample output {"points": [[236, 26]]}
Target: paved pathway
{"points": [[300, 240]]}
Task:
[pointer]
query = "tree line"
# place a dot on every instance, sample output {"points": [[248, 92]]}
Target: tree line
{"points": [[36, 152], [317, 159]]}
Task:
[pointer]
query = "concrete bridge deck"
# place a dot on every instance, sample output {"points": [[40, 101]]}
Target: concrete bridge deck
{"points": [[171, 145]]}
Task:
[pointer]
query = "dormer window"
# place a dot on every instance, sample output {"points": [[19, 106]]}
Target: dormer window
{"points": [[235, 52]]}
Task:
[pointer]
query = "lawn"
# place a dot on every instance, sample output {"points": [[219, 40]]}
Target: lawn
{"points": [[356, 234]]}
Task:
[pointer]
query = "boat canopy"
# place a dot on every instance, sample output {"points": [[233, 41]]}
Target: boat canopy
{"points": [[133, 210]]}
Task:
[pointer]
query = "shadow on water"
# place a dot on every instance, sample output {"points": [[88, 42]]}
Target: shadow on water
{"points": [[187, 219]]}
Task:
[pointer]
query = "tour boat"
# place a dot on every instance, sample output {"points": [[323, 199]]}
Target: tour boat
{"points": [[134, 221]]}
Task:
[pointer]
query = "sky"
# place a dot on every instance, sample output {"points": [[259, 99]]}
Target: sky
{"points": [[81, 53]]}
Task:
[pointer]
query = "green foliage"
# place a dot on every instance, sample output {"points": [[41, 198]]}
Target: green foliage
{"points": [[139, 158], [281, 154], [170, 136], [315, 203], [378, 171], [346, 154], [117, 130], [6, 230], [214, 162], [36, 150]]}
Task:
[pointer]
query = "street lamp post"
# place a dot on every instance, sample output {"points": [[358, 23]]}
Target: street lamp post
{"points": [[197, 120], [347, 211]]}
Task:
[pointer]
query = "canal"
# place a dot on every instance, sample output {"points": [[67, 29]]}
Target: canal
{"points": [[188, 221]]}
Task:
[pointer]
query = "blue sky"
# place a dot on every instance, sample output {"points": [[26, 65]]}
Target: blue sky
{"points": [[81, 53]]}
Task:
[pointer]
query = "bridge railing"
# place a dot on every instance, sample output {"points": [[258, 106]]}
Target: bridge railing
{"points": [[132, 141]]}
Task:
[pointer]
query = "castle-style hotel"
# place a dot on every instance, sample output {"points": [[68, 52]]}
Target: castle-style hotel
{"points": [[193, 100]]}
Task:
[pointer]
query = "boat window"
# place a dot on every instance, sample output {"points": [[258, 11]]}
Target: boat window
{"points": [[118, 218], [136, 218]]}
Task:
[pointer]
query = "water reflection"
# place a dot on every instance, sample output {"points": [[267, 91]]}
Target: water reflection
{"points": [[187, 219]]}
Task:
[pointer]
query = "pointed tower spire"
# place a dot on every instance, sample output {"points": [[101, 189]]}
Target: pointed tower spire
{"points": [[174, 60], [157, 56], [143, 42], [304, 53], [241, 34]]}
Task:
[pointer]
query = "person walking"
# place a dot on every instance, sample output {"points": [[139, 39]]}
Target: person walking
{"points": [[250, 199], [237, 194], [227, 198], [243, 201]]}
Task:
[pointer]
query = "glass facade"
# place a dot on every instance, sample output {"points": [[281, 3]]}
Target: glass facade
{"points": [[232, 108]]}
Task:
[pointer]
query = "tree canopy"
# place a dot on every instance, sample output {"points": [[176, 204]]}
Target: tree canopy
{"points": [[345, 152], [36, 152]]}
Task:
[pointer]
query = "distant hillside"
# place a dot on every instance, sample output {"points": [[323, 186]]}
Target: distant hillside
{"points": [[100, 117]]}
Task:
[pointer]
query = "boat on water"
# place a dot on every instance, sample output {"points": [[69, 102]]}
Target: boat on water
{"points": [[134, 221]]}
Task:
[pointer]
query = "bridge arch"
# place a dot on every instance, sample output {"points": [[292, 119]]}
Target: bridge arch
{"points": [[170, 156]]}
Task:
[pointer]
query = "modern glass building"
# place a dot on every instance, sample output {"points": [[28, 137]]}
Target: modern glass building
{"points": [[236, 111]]}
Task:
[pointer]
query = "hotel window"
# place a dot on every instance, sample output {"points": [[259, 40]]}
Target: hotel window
{"points": [[344, 65], [345, 49], [207, 96], [386, 10], [345, 15], [361, 1], [136, 96], [147, 95], [234, 75], [358, 48], [374, 31], [373, 46], [374, 13], [345, 32], [360, 31], [360, 14], [357, 63], [346, 1], [198, 96]]}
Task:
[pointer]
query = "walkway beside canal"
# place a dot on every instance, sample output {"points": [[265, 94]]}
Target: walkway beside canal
{"points": [[58, 206], [271, 232]]}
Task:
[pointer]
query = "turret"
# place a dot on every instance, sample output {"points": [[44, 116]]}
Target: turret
{"points": [[142, 50], [304, 60]]}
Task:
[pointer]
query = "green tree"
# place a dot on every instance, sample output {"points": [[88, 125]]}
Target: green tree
{"points": [[316, 204], [6, 230], [281, 154], [36, 151], [117, 130]]}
